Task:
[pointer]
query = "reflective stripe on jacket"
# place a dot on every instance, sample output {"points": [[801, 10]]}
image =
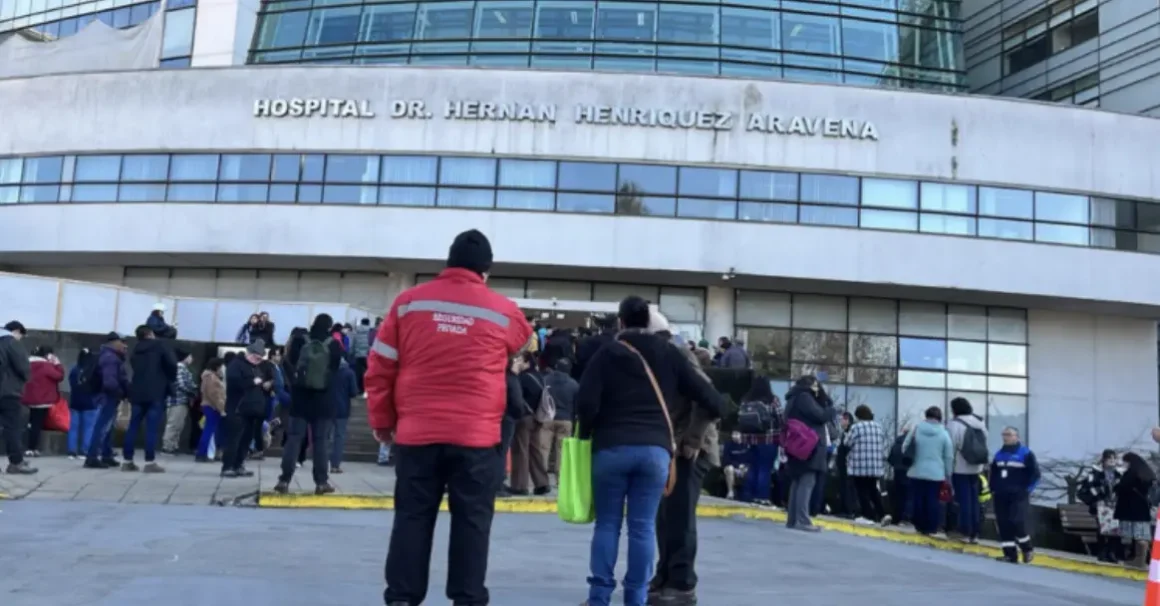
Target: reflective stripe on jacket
{"points": [[435, 374]]}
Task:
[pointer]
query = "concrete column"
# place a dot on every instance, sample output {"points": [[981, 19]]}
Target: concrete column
{"points": [[223, 32], [397, 282], [719, 301]]}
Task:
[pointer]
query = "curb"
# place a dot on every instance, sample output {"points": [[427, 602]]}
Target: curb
{"points": [[528, 505]]}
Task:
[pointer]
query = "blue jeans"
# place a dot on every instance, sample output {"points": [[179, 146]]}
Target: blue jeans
{"points": [[339, 443], [102, 444], [209, 432], [636, 475], [759, 479], [154, 416], [926, 509], [967, 496], [80, 430]]}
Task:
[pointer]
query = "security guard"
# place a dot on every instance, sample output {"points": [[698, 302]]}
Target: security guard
{"points": [[1014, 475]]}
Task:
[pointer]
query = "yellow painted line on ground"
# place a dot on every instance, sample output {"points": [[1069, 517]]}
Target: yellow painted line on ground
{"points": [[528, 505]]}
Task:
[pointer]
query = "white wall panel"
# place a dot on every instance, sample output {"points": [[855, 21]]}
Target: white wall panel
{"points": [[230, 317], [87, 308], [29, 300], [133, 308], [286, 316], [196, 318]]}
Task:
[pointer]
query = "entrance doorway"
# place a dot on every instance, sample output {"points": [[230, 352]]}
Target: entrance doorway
{"points": [[566, 314]]}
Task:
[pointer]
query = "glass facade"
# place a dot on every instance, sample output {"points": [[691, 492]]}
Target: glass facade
{"points": [[588, 187], [897, 357], [893, 43]]}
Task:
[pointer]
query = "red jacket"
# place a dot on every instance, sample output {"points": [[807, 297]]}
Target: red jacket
{"points": [[435, 374], [43, 386]]}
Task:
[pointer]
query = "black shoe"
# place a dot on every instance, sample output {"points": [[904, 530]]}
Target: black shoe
{"points": [[503, 492], [111, 462], [519, 493], [677, 597], [22, 468], [1028, 556], [543, 490], [95, 464]]}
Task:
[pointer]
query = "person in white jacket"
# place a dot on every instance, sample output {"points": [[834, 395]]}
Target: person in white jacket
{"points": [[965, 479]]}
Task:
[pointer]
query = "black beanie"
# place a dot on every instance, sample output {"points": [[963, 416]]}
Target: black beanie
{"points": [[470, 250]]}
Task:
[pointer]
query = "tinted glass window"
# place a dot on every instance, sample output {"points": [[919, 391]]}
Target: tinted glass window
{"points": [[1064, 208], [410, 169], [46, 169], [890, 193], [709, 182], [948, 198], [997, 202], [467, 171], [98, 168], [829, 189], [245, 167], [527, 173], [286, 167], [352, 169], [640, 178], [587, 176], [769, 186], [194, 167]]}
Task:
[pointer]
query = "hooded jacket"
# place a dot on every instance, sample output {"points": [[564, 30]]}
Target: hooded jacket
{"points": [[735, 356], [161, 329], [14, 367], [114, 378], [958, 428], [342, 389], [43, 387], [617, 405], [816, 412], [154, 371], [934, 453], [563, 389], [79, 397]]}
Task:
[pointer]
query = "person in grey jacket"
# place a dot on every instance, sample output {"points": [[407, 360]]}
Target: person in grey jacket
{"points": [[14, 372], [360, 350], [965, 479], [807, 402]]}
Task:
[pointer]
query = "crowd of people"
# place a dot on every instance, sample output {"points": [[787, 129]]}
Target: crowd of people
{"points": [[229, 410]]}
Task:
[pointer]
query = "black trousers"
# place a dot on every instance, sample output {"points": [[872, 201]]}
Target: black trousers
{"points": [[36, 417], [422, 475], [677, 528], [12, 425], [507, 432], [899, 497], [321, 430], [239, 432], [360, 373], [869, 497], [1011, 518]]}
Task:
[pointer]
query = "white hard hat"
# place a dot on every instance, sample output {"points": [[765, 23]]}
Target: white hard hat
{"points": [[158, 307]]}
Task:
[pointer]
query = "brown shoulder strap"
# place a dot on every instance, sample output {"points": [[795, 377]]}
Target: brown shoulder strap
{"points": [[657, 389]]}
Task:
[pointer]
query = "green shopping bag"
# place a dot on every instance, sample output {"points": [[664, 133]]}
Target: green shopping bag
{"points": [[574, 504]]}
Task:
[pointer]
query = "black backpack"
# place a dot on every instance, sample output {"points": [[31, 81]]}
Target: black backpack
{"points": [[754, 418], [974, 448], [89, 378]]}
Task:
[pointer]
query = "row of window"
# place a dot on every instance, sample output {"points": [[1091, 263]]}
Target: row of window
{"points": [[1083, 91], [177, 38], [1050, 37], [637, 36], [591, 187]]}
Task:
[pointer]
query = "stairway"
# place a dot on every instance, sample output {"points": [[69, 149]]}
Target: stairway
{"points": [[360, 443]]}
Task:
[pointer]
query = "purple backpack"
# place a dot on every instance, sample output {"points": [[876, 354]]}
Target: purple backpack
{"points": [[798, 440]]}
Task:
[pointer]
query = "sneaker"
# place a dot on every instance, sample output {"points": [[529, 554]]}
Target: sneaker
{"points": [[863, 521], [335, 470], [887, 519], [676, 597], [298, 465], [244, 473], [384, 463], [28, 453], [111, 462], [153, 467], [1028, 556], [129, 466], [22, 468], [95, 464], [282, 487], [229, 473], [324, 489], [72, 456]]}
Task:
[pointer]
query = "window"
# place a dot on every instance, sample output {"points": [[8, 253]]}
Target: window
{"points": [[943, 197], [352, 169], [245, 167], [769, 186], [922, 353], [194, 167], [538, 174], [45, 169], [1079, 30], [1011, 203], [757, 308], [829, 189], [98, 168], [1028, 54], [587, 176], [467, 171], [410, 169], [178, 37], [708, 182], [889, 193]]}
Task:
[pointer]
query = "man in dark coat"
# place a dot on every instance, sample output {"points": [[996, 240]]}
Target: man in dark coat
{"points": [[311, 409], [808, 403], [588, 346], [14, 373], [249, 386], [109, 386], [154, 371]]}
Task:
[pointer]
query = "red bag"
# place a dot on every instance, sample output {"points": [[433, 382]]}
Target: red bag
{"points": [[944, 492], [58, 417]]}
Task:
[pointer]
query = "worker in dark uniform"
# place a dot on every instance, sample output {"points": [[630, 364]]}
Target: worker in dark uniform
{"points": [[1014, 475]]}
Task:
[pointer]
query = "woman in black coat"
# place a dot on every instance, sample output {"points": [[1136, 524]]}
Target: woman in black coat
{"points": [[1133, 510], [808, 403]]}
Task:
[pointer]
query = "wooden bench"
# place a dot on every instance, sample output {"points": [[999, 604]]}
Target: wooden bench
{"points": [[1077, 521]]}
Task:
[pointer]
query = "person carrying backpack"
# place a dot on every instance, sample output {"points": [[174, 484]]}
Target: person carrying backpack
{"points": [[969, 436], [759, 421], [314, 363], [529, 458]]}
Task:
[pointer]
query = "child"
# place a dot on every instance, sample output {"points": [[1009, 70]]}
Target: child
{"points": [[734, 459]]}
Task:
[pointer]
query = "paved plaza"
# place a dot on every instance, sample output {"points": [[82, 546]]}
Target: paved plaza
{"points": [[112, 554]]}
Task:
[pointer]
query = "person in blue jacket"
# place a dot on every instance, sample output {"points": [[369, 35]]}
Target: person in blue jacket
{"points": [[1014, 476], [343, 389], [933, 464]]}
